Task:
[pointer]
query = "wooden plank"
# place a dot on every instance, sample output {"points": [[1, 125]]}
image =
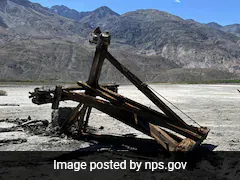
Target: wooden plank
{"points": [[162, 138], [125, 99]]}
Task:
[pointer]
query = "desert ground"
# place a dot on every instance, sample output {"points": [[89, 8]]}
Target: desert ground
{"points": [[213, 106]]}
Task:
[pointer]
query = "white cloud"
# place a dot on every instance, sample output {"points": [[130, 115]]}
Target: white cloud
{"points": [[177, 1]]}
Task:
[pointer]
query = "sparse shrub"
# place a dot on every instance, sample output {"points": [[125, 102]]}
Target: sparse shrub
{"points": [[3, 93]]}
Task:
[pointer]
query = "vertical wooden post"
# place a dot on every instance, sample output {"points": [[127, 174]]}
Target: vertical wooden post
{"points": [[97, 64], [87, 118], [57, 97], [81, 118], [103, 40]]}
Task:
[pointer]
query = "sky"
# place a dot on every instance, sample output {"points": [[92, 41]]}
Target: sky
{"points": [[224, 12]]}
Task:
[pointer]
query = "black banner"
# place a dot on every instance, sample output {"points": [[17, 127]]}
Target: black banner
{"points": [[125, 165]]}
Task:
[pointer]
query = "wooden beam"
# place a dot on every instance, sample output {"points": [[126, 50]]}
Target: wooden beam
{"points": [[100, 55], [57, 97], [163, 138], [81, 118], [87, 118], [145, 90]]}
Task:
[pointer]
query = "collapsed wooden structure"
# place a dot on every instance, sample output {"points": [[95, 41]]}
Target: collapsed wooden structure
{"points": [[165, 127]]}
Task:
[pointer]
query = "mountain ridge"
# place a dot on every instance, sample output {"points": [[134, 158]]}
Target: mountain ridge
{"points": [[232, 28], [42, 44]]}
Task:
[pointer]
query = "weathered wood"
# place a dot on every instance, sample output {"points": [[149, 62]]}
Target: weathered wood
{"points": [[43, 122], [57, 97], [81, 118], [145, 90], [158, 102], [75, 112], [129, 107], [126, 117], [73, 117], [87, 118], [162, 138], [100, 55], [149, 114], [186, 145], [106, 107], [124, 99]]}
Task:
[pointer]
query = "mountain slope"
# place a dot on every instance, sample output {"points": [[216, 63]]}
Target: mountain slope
{"points": [[68, 13], [233, 28], [186, 43], [37, 44], [214, 25], [30, 20], [189, 44], [100, 17]]}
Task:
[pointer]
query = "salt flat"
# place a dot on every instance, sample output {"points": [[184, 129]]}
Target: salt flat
{"points": [[214, 106]]}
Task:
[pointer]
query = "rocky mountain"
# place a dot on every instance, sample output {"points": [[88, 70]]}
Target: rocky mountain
{"points": [[215, 25], [100, 17], [95, 18], [37, 43], [189, 44], [25, 20], [68, 13], [233, 28]]}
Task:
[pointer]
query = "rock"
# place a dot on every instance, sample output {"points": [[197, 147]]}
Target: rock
{"points": [[62, 136], [35, 126], [60, 116], [3, 93], [101, 128]]}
